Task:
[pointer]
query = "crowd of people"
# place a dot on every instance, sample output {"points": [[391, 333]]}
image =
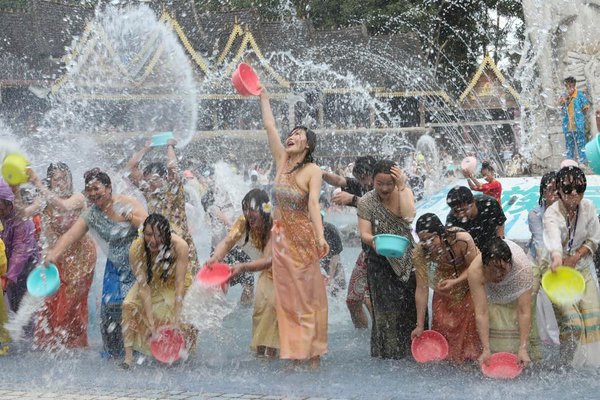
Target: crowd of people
{"points": [[484, 287]]}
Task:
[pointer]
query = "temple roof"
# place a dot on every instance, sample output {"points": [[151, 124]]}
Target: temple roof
{"points": [[489, 89]]}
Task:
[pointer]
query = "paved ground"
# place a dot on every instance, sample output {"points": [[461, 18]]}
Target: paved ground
{"points": [[8, 393]]}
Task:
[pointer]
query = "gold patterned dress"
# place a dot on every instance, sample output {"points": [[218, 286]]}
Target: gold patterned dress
{"points": [[300, 295], [136, 329], [265, 330], [170, 202], [4, 336]]}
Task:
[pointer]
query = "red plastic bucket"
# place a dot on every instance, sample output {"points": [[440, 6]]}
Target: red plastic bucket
{"points": [[167, 346], [502, 366], [216, 274], [245, 80], [430, 346]]}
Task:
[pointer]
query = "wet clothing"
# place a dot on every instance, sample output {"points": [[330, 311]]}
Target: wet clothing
{"points": [[358, 287], [392, 283], [136, 328], [4, 336], [483, 227], [301, 298], [579, 324], [573, 124], [118, 278], [265, 331], [453, 312], [62, 321]]}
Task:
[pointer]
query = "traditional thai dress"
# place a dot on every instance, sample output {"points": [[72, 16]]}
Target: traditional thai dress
{"points": [[579, 324], [265, 330], [503, 298], [136, 328], [118, 278], [453, 312], [63, 320], [300, 295], [392, 283], [170, 202]]}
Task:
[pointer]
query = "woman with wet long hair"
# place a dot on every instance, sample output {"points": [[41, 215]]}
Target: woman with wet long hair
{"points": [[252, 233], [298, 242], [572, 236], [442, 259], [159, 260], [114, 218], [62, 322]]}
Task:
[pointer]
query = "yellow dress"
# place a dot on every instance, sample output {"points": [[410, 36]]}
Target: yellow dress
{"points": [[265, 330], [136, 330], [301, 298]]}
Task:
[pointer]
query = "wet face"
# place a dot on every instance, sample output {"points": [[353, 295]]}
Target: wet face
{"points": [[550, 194], [463, 211], [487, 174], [570, 87], [59, 182], [571, 193], [97, 193], [6, 208], [253, 217], [384, 185], [430, 241], [496, 270], [296, 142], [152, 182], [153, 239]]}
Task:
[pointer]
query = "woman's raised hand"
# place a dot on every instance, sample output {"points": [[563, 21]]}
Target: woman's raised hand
{"points": [[399, 177]]}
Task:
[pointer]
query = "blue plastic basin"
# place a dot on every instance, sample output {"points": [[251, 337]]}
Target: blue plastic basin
{"points": [[391, 245], [43, 281], [161, 139]]}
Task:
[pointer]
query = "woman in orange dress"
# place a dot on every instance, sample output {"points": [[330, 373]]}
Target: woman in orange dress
{"points": [[298, 243], [62, 322], [441, 260]]}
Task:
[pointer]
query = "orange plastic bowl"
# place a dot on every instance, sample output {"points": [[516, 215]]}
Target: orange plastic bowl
{"points": [[245, 80], [502, 366], [167, 346], [430, 346], [216, 275]]}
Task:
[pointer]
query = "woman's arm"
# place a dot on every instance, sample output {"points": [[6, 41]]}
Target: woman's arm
{"points": [[479, 297], [365, 230], [134, 212], [314, 210], [277, 149], [524, 318], [75, 202], [254, 266], [75, 232], [334, 179], [221, 250], [421, 292], [135, 174], [406, 199]]}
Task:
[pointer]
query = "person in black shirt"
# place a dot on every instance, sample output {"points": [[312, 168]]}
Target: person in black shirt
{"points": [[481, 216], [331, 262], [352, 190]]}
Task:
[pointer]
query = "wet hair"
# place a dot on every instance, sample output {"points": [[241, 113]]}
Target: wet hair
{"points": [[570, 80], [495, 249], [383, 167], [255, 199], [208, 199], [570, 174], [430, 223], [157, 221], [60, 166], [547, 179], [156, 168], [487, 165], [459, 195], [363, 166], [311, 140], [96, 174]]}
